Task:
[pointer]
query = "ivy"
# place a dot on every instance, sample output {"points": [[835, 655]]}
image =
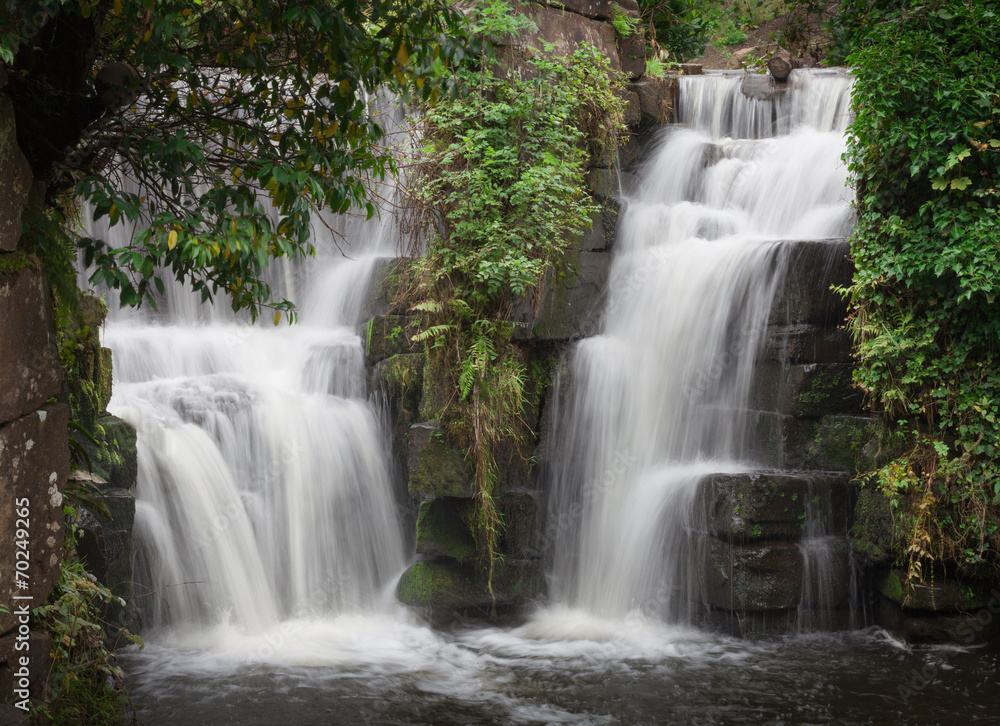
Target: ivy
{"points": [[925, 156], [501, 191]]}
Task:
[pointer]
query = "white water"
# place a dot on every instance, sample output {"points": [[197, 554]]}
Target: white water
{"points": [[265, 501], [660, 398]]}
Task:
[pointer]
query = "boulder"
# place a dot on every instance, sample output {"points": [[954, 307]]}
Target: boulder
{"points": [[565, 32], [34, 464], [632, 52], [30, 369], [939, 594]]}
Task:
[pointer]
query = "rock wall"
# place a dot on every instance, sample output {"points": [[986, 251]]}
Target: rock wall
{"points": [[447, 576], [34, 456]]}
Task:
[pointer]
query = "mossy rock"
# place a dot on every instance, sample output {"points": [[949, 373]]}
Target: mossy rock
{"points": [[437, 467], [453, 585], [399, 375], [772, 504], [443, 529], [387, 335], [937, 594], [117, 460], [873, 533]]}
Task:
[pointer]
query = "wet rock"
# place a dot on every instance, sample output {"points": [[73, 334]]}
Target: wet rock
{"points": [[805, 296], [387, 335], [443, 529], [34, 463], [761, 87], [521, 536], [455, 586], [773, 504], [30, 369], [807, 344], [437, 467], [873, 532], [117, 462], [391, 278], [969, 628], [805, 390], [691, 69], [569, 308], [936, 594], [762, 576]]}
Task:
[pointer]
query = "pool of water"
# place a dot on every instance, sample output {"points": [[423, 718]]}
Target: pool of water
{"points": [[559, 668]]}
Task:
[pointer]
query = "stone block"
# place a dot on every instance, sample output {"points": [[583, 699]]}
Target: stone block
{"points": [[811, 267], [443, 529], [569, 308], [632, 52], [15, 178], [873, 532], [565, 31], [30, 369], [437, 467], [388, 335], [453, 585], [805, 389], [399, 376], [656, 100], [935, 627], [774, 504], [807, 344], [522, 535], [939, 594], [761, 576], [595, 9], [34, 464], [391, 279]]}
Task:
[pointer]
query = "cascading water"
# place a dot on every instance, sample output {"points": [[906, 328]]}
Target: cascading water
{"points": [[661, 398], [265, 485]]}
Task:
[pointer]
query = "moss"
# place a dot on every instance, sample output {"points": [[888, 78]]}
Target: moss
{"points": [[12, 263], [380, 340], [436, 584]]}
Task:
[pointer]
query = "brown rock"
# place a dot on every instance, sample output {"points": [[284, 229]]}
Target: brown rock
{"points": [[779, 68], [15, 178], [30, 370], [34, 464], [566, 31]]}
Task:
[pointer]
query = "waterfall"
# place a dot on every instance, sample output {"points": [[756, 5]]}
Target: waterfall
{"points": [[265, 490], [659, 399]]}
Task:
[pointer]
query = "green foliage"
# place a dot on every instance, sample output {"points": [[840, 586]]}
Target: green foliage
{"points": [[679, 27], [503, 194], [243, 119], [625, 25], [926, 164], [86, 685]]}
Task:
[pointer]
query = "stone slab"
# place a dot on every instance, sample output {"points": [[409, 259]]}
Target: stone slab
{"points": [[811, 268]]}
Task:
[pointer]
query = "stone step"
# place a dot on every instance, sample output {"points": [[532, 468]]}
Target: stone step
{"points": [[774, 505], [811, 268], [805, 389], [806, 344], [835, 442]]}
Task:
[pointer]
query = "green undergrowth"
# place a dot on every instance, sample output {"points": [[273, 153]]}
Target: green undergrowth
{"points": [[925, 157], [501, 191], [86, 685]]}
